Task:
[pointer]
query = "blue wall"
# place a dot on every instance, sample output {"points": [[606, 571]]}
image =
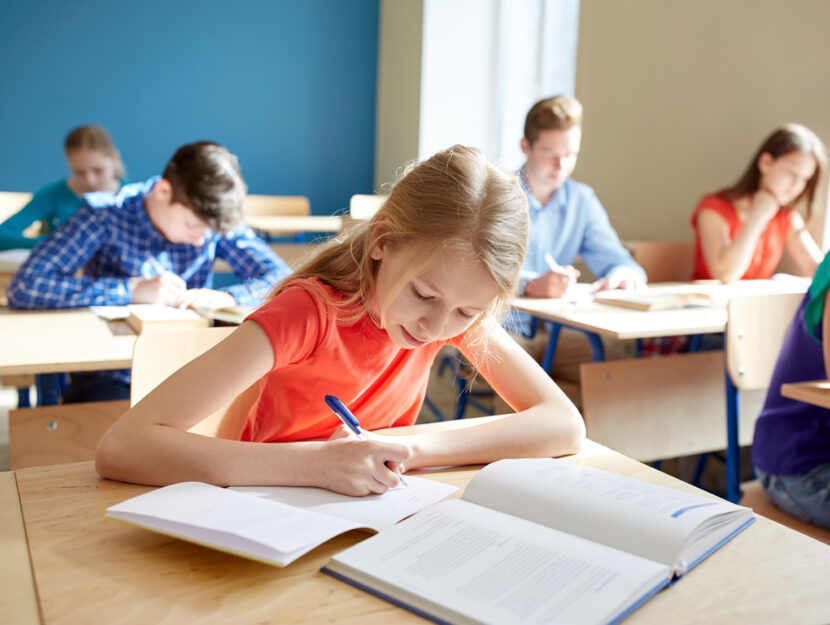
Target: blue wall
{"points": [[288, 86]]}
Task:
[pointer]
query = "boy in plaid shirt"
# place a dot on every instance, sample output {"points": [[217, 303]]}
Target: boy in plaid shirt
{"points": [[151, 243]]}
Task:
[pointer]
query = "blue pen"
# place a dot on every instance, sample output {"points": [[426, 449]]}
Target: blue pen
{"points": [[346, 416]]}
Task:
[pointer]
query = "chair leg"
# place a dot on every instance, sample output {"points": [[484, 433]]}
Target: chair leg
{"points": [[733, 449], [435, 410]]}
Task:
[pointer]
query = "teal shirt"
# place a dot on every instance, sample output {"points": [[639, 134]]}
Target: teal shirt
{"points": [[53, 205]]}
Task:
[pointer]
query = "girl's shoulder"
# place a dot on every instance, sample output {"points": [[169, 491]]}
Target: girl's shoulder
{"points": [[303, 297], [58, 190], [718, 204]]}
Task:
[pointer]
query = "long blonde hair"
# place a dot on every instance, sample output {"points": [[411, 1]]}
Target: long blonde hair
{"points": [[455, 198]]}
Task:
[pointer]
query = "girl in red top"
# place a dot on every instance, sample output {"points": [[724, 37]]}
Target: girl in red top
{"points": [[363, 320], [741, 231]]}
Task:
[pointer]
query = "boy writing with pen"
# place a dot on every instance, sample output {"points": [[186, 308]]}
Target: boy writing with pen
{"points": [[363, 321], [567, 221], [151, 243]]}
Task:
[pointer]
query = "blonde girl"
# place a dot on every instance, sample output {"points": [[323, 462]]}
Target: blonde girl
{"points": [[741, 231], [363, 321], [95, 165]]}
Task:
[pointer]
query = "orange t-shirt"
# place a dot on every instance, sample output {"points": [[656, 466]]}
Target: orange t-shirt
{"points": [[382, 384], [770, 246]]}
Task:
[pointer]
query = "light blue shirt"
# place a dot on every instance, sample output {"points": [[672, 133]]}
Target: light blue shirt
{"points": [[573, 223]]}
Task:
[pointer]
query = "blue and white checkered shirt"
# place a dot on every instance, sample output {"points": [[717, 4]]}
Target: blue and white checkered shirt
{"points": [[111, 239]]}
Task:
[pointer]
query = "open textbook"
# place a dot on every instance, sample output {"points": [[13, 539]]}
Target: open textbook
{"points": [[271, 524], [645, 300], [146, 317], [541, 541]]}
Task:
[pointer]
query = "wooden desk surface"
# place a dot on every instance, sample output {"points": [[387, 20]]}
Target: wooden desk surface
{"points": [[52, 341], [816, 392], [624, 323], [88, 569], [288, 224]]}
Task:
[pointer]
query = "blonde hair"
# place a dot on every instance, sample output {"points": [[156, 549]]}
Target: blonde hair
{"points": [[561, 112], [96, 138], [453, 199], [782, 141]]}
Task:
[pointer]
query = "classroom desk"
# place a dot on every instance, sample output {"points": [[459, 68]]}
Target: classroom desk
{"points": [[52, 341], [816, 392], [56, 341], [283, 225], [625, 323], [680, 399], [87, 569]]}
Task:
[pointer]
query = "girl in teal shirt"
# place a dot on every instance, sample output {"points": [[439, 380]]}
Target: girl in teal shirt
{"points": [[95, 165]]}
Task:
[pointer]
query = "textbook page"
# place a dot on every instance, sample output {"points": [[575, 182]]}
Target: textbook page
{"points": [[269, 530], [373, 511], [625, 513], [464, 563]]}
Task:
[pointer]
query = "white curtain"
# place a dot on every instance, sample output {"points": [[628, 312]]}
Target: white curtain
{"points": [[484, 63]]}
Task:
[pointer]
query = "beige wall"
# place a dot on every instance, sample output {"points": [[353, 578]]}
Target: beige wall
{"points": [[678, 94], [399, 87]]}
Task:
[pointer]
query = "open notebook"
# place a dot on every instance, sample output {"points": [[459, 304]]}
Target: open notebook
{"points": [[271, 524], [541, 541]]}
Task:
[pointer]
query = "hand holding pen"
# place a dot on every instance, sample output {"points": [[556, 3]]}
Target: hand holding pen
{"points": [[350, 421], [553, 283], [165, 287]]}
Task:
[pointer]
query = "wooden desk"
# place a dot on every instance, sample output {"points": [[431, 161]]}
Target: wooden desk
{"points": [[282, 225], [816, 392], [53, 341], [88, 569], [625, 323], [679, 405]]}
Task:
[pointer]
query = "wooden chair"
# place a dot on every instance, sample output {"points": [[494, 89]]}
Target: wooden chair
{"points": [[364, 206], [159, 354], [755, 330], [296, 205], [11, 202], [665, 261], [284, 205], [59, 434]]}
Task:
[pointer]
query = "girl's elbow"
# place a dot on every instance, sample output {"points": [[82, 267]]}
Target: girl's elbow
{"points": [[574, 436], [109, 455]]}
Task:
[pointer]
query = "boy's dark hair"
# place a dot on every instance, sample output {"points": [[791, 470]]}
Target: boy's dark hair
{"points": [[206, 178]]}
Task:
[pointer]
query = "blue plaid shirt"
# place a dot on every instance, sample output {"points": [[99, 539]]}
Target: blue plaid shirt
{"points": [[111, 239]]}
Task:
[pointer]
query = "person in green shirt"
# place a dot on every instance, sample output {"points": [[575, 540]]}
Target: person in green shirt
{"points": [[95, 165]]}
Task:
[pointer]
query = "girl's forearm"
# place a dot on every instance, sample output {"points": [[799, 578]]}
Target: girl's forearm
{"points": [[160, 455], [532, 433], [735, 258]]}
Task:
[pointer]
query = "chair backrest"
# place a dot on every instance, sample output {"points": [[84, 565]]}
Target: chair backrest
{"points": [[755, 330], [277, 205], [11, 202], [295, 254], [665, 261], [159, 354], [364, 206]]}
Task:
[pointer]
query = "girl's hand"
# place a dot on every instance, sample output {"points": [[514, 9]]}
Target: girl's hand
{"points": [[360, 467], [764, 205]]}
